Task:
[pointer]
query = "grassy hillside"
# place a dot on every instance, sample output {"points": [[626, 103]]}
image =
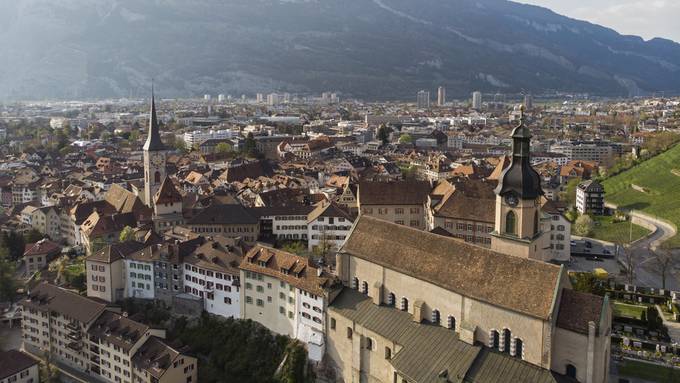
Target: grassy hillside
{"points": [[660, 188]]}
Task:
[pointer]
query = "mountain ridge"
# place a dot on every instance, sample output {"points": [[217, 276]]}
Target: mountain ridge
{"points": [[372, 49]]}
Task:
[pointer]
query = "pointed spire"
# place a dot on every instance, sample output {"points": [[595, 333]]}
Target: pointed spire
{"points": [[153, 140]]}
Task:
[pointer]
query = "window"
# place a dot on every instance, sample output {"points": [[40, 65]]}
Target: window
{"points": [[369, 344], [451, 322], [505, 341], [571, 371], [249, 300], [519, 348], [510, 223], [349, 333], [560, 237], [560, 227], [494, 339], [157, 177], [364, 287], [227, 300], [391, 299], [404, 304], [260, 289], [388, 353], [332, 323], [435, 316], [355, 283]]}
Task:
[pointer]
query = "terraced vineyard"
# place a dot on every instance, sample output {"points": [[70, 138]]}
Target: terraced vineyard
{"points": [[657, 192]]}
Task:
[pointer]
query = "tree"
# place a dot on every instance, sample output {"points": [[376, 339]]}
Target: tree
{"points": [[14, 243], [33, 236], [384, 134], [8, 286], [663, 264], [587, 283], [49, 373], [405, 139], [223, 148], [250, 146], [127, 234], [180, 145], [631, 264], [569, 193], [584, 225], [59, 266], [296, 247]]}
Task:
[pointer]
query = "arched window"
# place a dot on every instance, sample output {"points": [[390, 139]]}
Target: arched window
{"points": [[506, 338], [404, 304], [571, 371], [369, 344], [364, 287], [510, 223], [355, 283], [435, 316], [391, 299], [451, 322], [494, 339], [519, 348], [388, 353], [157, 177], [536, 227]]}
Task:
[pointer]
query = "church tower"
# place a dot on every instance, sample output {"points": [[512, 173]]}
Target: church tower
{"points": [[518, 202], [154, 157]]}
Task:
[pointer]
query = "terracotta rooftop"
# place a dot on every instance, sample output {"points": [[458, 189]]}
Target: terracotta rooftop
{"points": [[293, 269], [393, 193]]}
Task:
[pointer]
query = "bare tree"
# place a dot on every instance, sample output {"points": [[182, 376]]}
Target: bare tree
{"points": [[631, 263], [663, 265]]}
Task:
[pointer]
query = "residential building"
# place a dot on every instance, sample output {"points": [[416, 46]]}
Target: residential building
{"points": [[211, 274], [402, 202], [560, 231], [327, 227], [477, 100], [441, 96], [83, 334], [423, 99], [228, 220], [288, 294], [465, 209], [590, 198], [106, 272], [18, 367], [38, 255]]}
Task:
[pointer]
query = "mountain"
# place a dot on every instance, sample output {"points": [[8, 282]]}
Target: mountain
{"points": [[372, 49]]}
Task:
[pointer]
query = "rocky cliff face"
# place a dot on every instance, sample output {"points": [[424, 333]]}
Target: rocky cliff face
{"points": [[373, 49]]}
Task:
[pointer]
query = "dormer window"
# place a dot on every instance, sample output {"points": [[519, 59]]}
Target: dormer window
{"points": [[262, 263]]}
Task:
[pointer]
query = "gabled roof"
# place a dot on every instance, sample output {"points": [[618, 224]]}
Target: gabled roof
{"points": [[167, 193], [470, 199], [13, 362], [393, 193], [224, 215], [328, 209], [299, 271], [116, 251], [47, 297], [518, 284], [155, 357], [117, 329]]}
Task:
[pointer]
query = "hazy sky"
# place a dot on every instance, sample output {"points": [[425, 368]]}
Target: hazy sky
{"points": [[645, 18]]}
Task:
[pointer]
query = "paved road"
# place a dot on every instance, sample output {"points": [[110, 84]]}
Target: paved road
{"points": [[648, 270]]}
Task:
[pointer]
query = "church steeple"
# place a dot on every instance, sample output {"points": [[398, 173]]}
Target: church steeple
{"points": [[153, 140], [520, 178]]}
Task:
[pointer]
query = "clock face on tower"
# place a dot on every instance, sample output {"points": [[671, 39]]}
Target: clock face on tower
{"points": [[511, 199], [157, 160]]}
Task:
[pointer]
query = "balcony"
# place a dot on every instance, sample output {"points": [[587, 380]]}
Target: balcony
{"points": [[74, 336], [73, 326], [76, 346]]}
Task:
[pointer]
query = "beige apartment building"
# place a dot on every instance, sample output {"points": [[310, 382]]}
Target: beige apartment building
{"points": [[401, 202], [105, 271], [228, 220], [38, 255], [83, 334]]}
